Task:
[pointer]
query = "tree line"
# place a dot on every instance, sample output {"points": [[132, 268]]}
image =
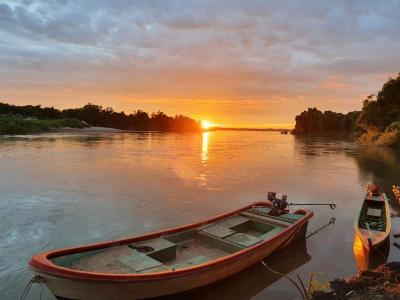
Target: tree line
{"points": [[96, 115], [314, 121], [379, 113]]}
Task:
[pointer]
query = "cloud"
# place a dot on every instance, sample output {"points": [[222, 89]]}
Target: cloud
{"points": [[199, 50]]}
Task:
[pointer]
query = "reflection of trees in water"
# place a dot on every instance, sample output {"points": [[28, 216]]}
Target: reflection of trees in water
{"points": [[375, 164], [312, 147], [94, 139], [381, 165], [89, 139]]}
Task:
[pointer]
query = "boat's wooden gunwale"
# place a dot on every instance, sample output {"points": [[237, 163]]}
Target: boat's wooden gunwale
{"points": [[41, 262]]}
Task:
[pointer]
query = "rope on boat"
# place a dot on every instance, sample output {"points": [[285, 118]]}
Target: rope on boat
{"points": [[331, 221], [34, 279], [305, 295], [302, 290]]}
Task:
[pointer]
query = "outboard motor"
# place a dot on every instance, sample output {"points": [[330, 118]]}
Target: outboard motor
{"points": [[271, 196], [280, 202], [374, 190]]}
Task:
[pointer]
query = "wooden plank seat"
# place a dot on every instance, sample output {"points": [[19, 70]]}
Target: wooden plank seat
{"points": [[218, 231], [219, 243], [139, 261], [164, 250], [234, 221]]}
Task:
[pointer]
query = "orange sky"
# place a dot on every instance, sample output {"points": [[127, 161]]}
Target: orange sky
{"points": [[232, 63]]}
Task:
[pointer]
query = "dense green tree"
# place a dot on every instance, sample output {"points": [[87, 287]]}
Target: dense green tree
{"points": [[96, 115], [314, 121], [380, 111]]}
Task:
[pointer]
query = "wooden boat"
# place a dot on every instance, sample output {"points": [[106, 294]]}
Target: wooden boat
{"points": [[373, 223], [396, 192], [169, 261]]}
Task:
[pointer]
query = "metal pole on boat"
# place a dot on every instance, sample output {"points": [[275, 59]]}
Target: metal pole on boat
{"points": [[331, 205], [331, 221]]}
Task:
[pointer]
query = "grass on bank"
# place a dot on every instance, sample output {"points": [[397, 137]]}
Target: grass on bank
{"points": [[389, 137], [13, 125]]}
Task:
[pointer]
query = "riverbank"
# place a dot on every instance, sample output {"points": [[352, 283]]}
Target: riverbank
{"points": [[15, 125], [377, 123], [378, 138], [380, 283]]}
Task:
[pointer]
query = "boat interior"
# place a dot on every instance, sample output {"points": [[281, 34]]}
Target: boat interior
{"points": [[373, 215], [185, 248]]}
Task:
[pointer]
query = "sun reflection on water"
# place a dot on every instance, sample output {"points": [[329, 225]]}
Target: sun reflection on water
{"points": [[202, 178], [204, 147]]}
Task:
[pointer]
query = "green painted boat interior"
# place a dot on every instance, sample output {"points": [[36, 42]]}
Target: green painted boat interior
{"points": [[288, 217], [373, 213], [183, 249]]}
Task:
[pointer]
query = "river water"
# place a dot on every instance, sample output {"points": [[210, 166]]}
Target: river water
{"points": [[59, 190]]}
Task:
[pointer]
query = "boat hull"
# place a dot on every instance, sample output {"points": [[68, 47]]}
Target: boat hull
{"points": [[67, 285]]}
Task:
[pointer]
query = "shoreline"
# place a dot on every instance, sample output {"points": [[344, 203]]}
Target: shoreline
{"points": [[92, 129], [383, 282]]}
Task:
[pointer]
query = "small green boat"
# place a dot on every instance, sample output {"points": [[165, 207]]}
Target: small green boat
{"points": [[373, 224]]}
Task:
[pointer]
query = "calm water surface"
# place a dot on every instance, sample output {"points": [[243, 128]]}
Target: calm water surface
{"points": [[60, 190]]}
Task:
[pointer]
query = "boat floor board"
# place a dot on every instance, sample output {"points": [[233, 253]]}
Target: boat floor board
{"points": [[219, 243], [374, 212], [163, 249], [218, 231], [190, 249], [139, 261], [234, 221], [105, 261]]}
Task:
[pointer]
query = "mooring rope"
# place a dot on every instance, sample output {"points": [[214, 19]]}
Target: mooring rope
{"points": [[303, 292], [34, 279]]}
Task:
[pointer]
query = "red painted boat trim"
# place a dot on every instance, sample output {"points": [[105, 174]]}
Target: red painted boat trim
{"points": [[41, 262]]}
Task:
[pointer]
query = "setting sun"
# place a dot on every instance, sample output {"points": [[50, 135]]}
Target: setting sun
{"points": [[206, 124]]}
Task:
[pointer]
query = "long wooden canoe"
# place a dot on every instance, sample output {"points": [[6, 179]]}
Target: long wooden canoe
{"points": [[169, 261], [373, 225]]}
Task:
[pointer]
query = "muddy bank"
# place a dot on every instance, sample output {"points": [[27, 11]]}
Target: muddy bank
{"points": [[380, 283]]}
